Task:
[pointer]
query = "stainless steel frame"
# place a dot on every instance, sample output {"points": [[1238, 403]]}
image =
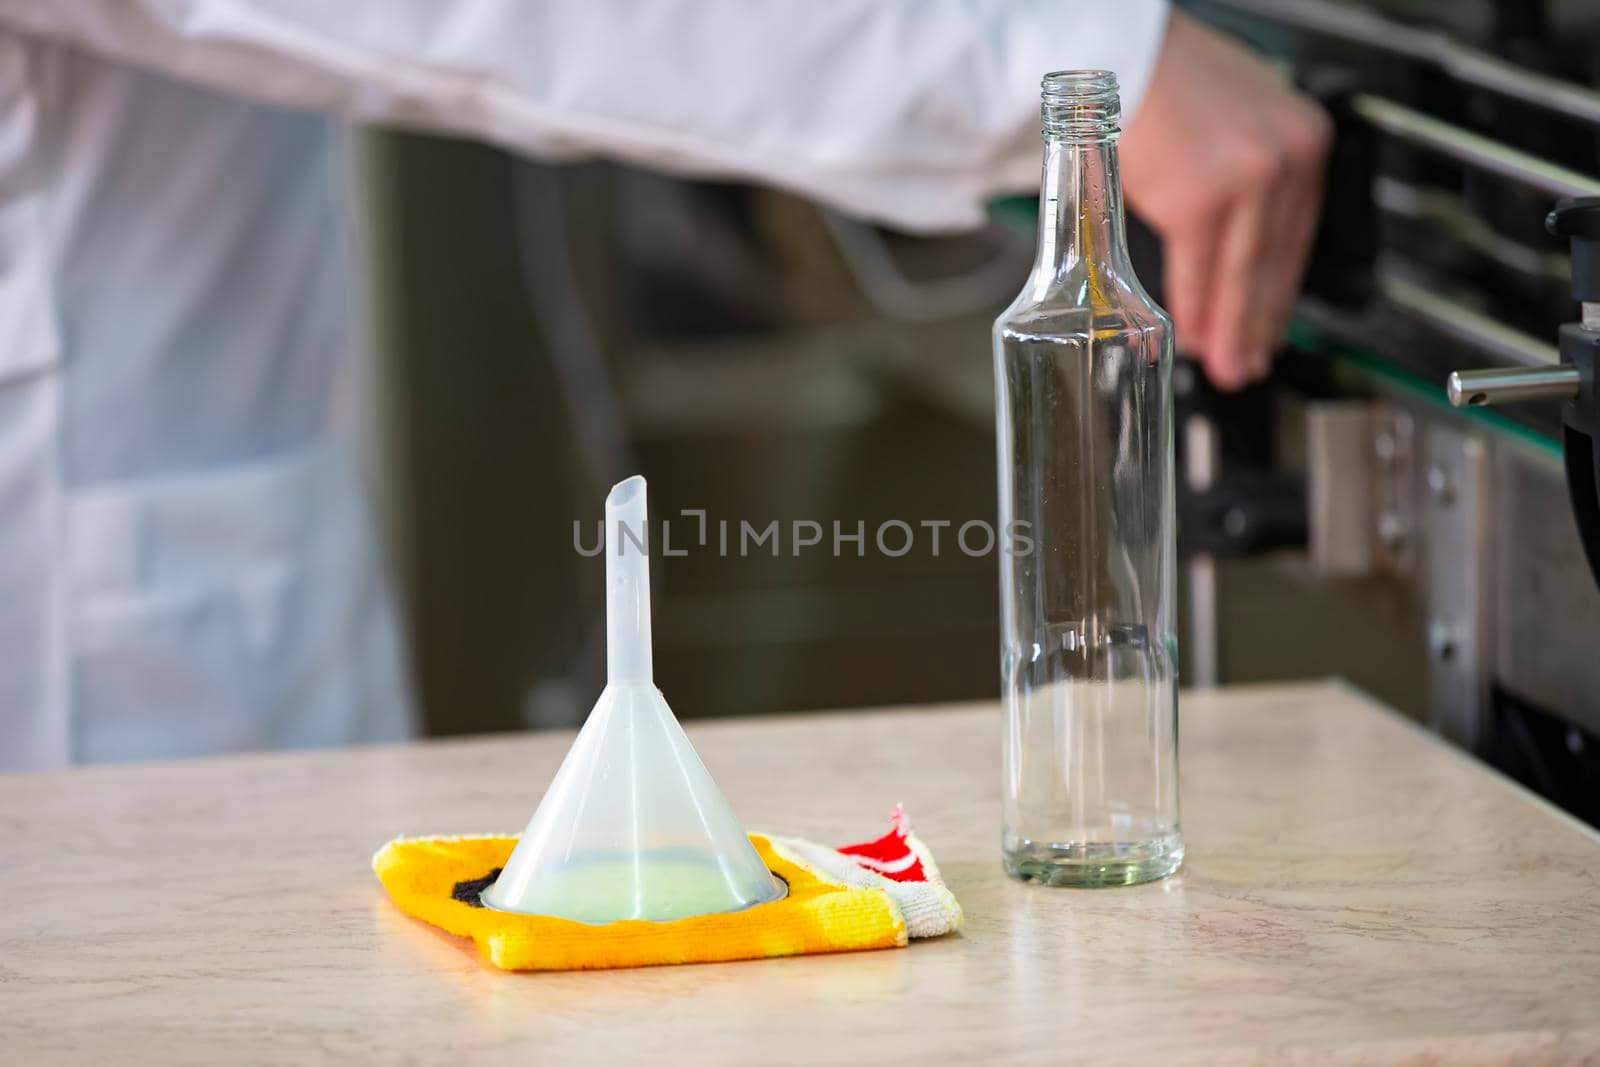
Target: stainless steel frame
{"points": [[1498, 566], [1468, 65]]}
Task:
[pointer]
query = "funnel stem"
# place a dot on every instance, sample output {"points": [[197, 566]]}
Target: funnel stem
{"points": [[627, 584]]}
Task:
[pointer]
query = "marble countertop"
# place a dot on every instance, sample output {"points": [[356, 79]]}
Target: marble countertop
{"points": [[1355, 892]]}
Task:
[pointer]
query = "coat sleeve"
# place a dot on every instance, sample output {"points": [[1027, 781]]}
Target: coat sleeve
{"points": [[912, 112]]}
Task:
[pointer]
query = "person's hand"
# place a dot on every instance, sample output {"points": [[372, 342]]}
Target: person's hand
{"points": [[1224, 160]]}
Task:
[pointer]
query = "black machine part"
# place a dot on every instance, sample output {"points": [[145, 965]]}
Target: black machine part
{"points": [[1578, 220]]}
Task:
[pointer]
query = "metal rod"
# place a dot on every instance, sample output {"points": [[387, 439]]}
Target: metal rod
{"points": [[1472, 148], [1484, 334], [1465, 64], [1448, 211], [1474, 388]]}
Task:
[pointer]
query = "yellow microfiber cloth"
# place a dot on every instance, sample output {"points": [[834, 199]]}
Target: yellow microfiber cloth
{"points": [[873, 895]]}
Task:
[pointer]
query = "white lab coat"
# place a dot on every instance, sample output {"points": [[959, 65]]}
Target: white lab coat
{"points": [[187, 562]]}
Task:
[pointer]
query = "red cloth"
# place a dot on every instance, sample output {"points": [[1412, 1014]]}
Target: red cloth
{"points": [[890, 855]]}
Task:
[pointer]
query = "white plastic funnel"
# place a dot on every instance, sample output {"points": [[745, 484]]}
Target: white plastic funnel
{"points": [[632, 827]]}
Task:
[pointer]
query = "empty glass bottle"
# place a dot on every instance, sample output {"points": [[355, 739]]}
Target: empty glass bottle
{"points": [[1083, 370]]}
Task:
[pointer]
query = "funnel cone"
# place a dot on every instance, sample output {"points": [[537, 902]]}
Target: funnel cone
{"points": [[632, 826]]}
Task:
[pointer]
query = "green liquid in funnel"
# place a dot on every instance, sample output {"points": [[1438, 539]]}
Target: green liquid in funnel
{"points": [[660, 889]]}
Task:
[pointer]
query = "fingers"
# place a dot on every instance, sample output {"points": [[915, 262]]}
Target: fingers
{"points": [[1267, 236], [1233, 191], [1279, 275], [1308, 147], [1303, 200], [1233, 352], [1190, 261]]}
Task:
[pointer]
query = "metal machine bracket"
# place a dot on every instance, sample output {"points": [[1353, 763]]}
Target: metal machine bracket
{"points": [[1458, 585], [1361, 459]]}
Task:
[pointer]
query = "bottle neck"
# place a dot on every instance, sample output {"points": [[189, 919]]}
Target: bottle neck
{"points": [[1083, 242]]}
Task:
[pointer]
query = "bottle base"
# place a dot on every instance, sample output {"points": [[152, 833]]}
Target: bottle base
{"points": [[1090, 866]]}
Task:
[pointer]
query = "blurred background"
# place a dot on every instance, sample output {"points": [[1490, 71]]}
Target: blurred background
{"points": [[759, 358]]}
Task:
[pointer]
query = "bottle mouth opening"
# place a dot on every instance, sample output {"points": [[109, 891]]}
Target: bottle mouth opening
{"points": [[1080, 105]]}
